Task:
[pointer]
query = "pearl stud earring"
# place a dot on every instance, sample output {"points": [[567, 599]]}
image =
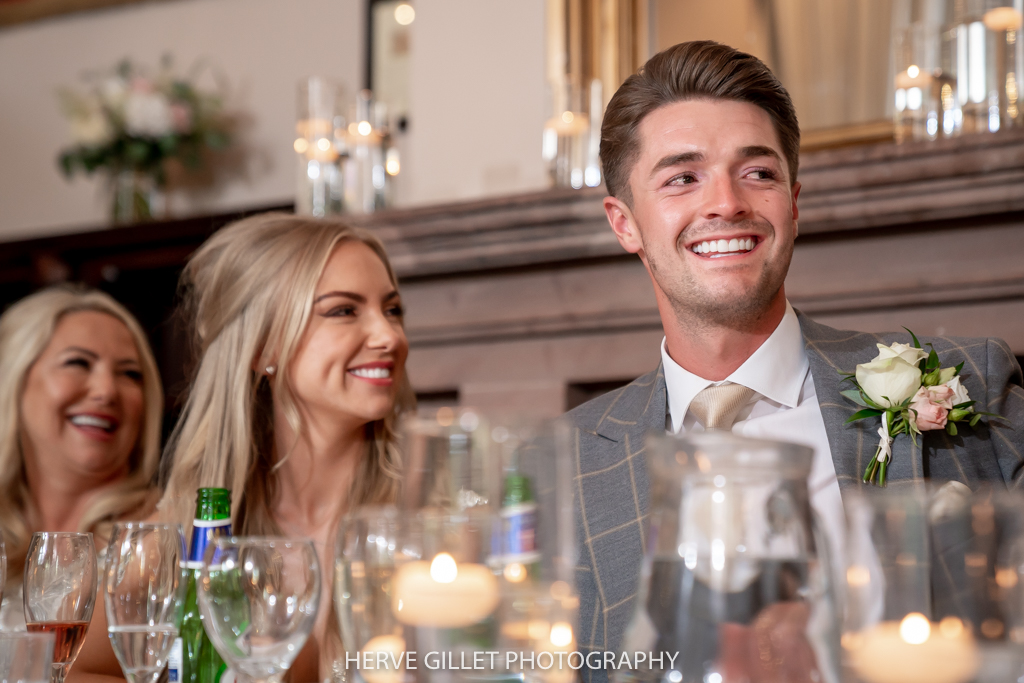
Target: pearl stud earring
{"points": [[271, 369]]}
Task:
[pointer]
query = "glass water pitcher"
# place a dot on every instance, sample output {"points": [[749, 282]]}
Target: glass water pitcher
{"points": [[735, 582]]}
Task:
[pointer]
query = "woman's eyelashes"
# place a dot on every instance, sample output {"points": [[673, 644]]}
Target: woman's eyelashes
{"points": [[78, 361], [343, 311], [349, 310]]}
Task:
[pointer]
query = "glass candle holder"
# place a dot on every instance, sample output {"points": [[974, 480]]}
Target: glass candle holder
{"points": [[934, 585], [319, 190]]}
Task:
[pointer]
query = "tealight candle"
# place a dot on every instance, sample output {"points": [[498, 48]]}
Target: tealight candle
{"points": [[393, 648], [443, 593], [914, 651]]}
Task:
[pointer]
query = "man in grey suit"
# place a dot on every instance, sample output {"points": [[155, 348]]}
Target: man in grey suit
{"points": [[700, 155]]}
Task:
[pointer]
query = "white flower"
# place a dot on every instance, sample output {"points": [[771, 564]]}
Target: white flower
{"points": [[889, 381], [959, 392], [147, 114], [905, 351], [91, 128], [114, 91]]}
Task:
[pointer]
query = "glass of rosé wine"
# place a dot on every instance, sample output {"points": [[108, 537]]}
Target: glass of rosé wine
{"points": [[59, 592]]}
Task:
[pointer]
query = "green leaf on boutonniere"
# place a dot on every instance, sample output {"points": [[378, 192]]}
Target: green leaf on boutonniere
{"points": [[974, 420], [951, 428], [855, 396], [932, 362], [917, 344], [958, 368], [863, 414], [965, 404], [932, 378]]}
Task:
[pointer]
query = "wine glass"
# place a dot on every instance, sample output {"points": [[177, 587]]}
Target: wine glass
{"points": [[144, 589], [60, 591], [259, 598], [3, 567], [25, 657]]}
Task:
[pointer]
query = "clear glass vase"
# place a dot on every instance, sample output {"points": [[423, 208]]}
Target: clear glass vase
{"points": [[735, 581], [133, 197]]}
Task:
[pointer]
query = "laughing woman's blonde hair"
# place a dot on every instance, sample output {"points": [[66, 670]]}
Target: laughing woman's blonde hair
{"points": [[25, 330], [248, 292]]}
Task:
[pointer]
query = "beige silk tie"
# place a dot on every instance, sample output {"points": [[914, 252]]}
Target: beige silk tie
{"points": [[716, 406]]}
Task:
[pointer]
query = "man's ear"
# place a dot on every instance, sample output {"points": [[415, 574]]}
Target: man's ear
{"points": [[796, 211], [620, 217]]}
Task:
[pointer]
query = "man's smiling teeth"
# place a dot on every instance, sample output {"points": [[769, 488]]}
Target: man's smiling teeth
{"points": [[724, 246], [372, 373], [92, 421]]}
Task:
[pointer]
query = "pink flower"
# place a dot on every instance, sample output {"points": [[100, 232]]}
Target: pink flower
{"points": [[143, 85], [181, 118], [932, 405]]}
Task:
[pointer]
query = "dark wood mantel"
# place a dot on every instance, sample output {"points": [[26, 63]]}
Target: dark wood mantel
{"points": [[926, 234]]}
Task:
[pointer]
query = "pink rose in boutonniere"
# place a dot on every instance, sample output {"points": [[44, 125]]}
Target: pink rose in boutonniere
{"points": [[931, 405], [905, 386]]}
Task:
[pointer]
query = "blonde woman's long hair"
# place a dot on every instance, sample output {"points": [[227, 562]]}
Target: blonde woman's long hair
{"points": [[25, 330], [248, 293]]}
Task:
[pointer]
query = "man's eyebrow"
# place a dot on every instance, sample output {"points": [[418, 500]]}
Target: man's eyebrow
{"points": [[759, 151], [676, 159], [348, 295]]}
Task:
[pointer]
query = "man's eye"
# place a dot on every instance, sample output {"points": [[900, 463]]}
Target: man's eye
{"points": [[683, 179], [763, 174]]}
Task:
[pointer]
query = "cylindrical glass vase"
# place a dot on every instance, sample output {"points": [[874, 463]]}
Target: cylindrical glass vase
{"points": [[319, 188]]}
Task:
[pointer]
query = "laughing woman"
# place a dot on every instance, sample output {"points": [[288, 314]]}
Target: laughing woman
{"points": [[80, 413], [301, 376]]}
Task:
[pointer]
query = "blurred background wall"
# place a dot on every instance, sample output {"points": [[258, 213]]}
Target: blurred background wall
{"points": [[477, 96]]}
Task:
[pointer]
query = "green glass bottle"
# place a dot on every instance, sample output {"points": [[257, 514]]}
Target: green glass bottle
{"points": [[519, 528], [198, 661]]}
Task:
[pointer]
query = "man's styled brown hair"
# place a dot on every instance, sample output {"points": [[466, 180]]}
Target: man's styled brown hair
{"points": [[701, 69]]}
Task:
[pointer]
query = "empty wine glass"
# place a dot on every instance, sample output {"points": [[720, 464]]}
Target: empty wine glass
{"points": [[59, 592], [25, 657], [144, 588], [259, 599]]}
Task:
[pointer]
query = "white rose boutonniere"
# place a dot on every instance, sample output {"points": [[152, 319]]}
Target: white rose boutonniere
{"points": [[906, 387]]}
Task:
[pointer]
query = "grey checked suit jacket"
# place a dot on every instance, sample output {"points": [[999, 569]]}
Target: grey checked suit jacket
{"points": [[611, 477]]}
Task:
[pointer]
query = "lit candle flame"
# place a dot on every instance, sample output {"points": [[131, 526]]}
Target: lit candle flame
{"points": [[443, 569], [915, 628], [561, 634]]}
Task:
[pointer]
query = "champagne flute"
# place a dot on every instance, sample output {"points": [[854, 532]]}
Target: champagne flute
{"points": [[259, 598], [144, 589], [60, 591]]}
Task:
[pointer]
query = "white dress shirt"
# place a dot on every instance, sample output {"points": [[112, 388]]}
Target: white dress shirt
{"points": [[784, 408]]}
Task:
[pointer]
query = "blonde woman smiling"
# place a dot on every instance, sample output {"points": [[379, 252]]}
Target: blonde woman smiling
{"points": [[301, 377], [80, 414]]}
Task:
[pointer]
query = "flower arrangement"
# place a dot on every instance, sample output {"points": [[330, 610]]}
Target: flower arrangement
{"points": [[129, 122], [907, 388]]}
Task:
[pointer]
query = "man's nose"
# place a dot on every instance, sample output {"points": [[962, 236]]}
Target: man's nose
{"points": [[724, 200]]}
